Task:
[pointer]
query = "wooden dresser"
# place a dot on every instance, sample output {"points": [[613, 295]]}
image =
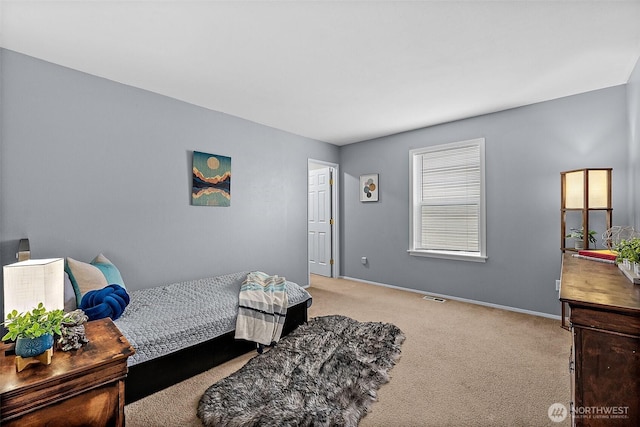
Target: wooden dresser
{"points": [[605, 323], [83, 387]]}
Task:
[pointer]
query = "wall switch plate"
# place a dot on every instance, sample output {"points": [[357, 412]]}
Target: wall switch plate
{"points": [[363, 260], [557, 285]]}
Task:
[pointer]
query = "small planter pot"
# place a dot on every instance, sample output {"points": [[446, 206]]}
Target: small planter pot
{"points": [[579, 244], [30, 347]]}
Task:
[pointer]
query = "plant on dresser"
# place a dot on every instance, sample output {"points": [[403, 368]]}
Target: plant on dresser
{"points": [[33, 330], [629, 253]]}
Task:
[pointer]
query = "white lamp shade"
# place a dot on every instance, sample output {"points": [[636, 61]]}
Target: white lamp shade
{"points": [[598, 189], [28, 283], [575, 190], [575, 183]]}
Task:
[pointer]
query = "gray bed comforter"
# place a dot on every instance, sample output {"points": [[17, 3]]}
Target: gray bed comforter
{"points": [[164, 319]]}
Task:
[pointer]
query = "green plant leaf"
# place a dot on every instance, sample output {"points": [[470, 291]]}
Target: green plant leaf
{"points": [[33, 324]]}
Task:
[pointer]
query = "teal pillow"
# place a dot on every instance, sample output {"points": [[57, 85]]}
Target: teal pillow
{"points": [[94, 276], [110, 271]]}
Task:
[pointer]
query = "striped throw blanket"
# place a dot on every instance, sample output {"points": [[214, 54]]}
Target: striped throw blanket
{"points": [[262, 308]]}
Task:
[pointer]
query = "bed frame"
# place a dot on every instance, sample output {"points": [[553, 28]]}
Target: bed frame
{"points": [[154, 375]]}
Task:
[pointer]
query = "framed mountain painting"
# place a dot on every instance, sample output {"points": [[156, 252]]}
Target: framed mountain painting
{"points": [[211, 180]]}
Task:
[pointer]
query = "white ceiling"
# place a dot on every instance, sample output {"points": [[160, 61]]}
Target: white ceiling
{"points": [[338, 71]]}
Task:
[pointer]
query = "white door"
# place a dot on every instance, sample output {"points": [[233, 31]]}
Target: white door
{"points": [[320, 223]]}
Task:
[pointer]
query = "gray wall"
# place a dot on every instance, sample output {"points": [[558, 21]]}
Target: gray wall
{"points": [[89, 165], [633, 99], [526, 149]]}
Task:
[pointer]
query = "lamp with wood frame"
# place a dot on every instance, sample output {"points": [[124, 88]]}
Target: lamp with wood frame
{"points": [[584, 191]]}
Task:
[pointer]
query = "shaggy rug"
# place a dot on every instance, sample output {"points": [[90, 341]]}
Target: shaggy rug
{"points": [[325, 373]]}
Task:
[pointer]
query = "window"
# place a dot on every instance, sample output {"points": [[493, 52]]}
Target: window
{"points": [[447, 201]]}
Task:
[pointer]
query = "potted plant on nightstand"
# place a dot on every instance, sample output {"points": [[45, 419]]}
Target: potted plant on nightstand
{"points": [[33, 330], [578, 235]]}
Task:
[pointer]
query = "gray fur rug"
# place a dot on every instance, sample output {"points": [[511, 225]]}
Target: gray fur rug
{"points": [[325, 373]]}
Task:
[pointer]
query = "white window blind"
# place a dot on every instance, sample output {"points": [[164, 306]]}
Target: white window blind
{"points": [[448, 200]]}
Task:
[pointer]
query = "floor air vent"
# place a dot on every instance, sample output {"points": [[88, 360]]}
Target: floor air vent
{"points": [[436, 299]]}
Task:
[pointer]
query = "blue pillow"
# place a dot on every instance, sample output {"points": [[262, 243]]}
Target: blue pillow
{"points": [[107, 302]]}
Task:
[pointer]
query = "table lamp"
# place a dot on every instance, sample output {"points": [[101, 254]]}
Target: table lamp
{"points": [[28, 283]]}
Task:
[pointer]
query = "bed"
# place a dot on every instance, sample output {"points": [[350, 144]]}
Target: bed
{"points": [[185, 328], [177, 330]]}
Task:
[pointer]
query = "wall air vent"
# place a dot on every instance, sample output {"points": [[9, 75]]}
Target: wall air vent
{"points": [[436, 299]]}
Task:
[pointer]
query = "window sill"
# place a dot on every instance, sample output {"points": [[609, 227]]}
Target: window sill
{"points": [[460, 256]]}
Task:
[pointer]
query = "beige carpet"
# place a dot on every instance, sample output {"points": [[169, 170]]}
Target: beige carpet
{"points": [[462, 364]]}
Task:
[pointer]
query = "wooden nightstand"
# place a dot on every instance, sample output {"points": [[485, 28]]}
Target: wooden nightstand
{"points": [[80, 388]]}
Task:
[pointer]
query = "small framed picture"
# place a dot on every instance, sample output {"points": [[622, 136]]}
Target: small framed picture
{"points": [[369, 187]]}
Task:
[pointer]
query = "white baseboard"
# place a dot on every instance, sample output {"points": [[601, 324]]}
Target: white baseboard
{"points": [[486, 304]]}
